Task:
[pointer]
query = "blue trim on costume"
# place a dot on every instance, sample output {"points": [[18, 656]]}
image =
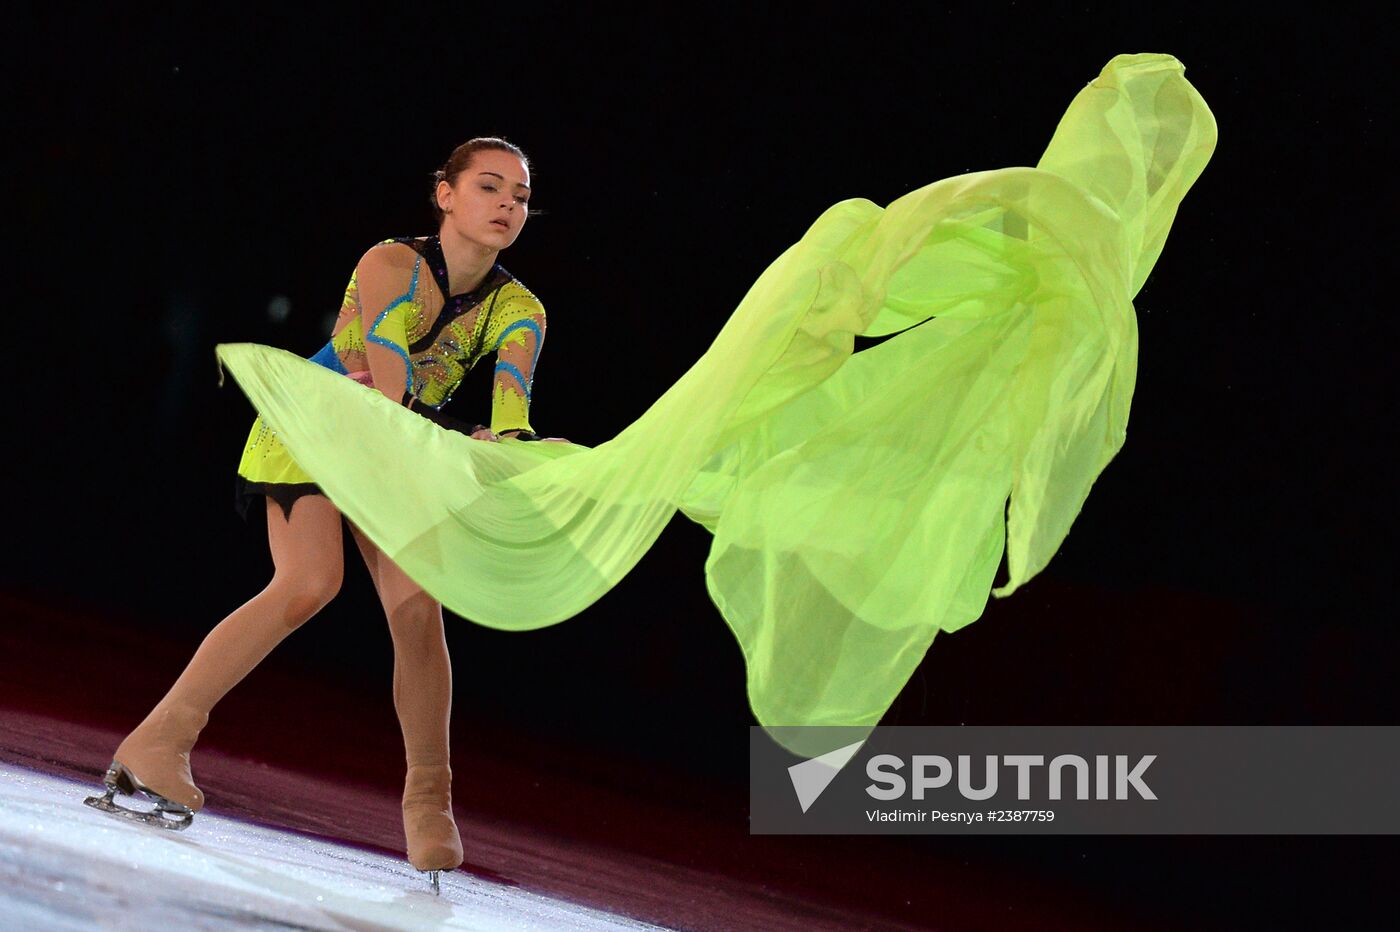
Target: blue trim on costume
{"points": [[527, 324], [501, 365], [328, 357], [402, 299]]}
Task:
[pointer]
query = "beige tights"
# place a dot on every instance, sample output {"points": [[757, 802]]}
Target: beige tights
{"points": [[309, 568], [423, 700]]}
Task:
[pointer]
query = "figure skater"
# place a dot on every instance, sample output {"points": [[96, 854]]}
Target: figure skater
{"points": [[417, 315]]}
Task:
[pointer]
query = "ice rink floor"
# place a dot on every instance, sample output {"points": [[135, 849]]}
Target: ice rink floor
{"points": [[303, 827], [64, 865]]}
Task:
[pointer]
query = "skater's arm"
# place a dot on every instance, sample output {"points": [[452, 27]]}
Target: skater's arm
{"points": [[517, 333], [387, 282]]}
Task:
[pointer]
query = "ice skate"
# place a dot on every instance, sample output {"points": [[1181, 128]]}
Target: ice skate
{"points": [[166, 814], [154, 762], [434, 844]]}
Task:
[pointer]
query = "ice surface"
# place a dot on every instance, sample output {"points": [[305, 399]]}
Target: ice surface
{"points": [[64, 865]]}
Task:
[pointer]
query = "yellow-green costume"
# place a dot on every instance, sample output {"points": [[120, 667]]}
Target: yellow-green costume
{"points": [[401, 287], [858, 501]]}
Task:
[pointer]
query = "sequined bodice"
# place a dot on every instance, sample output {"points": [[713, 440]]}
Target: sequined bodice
{"points": [[438, 335]]}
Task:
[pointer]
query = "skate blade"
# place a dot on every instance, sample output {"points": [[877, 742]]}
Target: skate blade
{"points": [[434, 878], [167, 813]]}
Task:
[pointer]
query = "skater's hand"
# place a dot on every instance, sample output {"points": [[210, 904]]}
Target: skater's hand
{"points": [[485, 434]]}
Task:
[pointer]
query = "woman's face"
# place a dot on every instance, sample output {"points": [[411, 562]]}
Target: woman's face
{"points": [[487, 205]]}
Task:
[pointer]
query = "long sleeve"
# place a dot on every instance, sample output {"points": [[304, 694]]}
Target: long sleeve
{"points": [[517, 333], [387, 289]]}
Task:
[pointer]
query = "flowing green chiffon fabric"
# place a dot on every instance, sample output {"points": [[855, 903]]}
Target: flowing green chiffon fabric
{"points": [[858, 501]]}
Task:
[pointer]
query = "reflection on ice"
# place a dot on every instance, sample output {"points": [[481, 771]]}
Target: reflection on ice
{"points": [[66, 866]]}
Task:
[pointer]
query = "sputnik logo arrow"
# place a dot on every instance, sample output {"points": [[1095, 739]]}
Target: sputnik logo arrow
{"points": [[811, 777]]}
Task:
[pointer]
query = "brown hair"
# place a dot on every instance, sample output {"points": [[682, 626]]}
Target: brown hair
{"points": [[461, 159]]}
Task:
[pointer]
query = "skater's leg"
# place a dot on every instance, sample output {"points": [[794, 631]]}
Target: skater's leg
{"points": [[309, 566], [422, 668], [423, 701]]}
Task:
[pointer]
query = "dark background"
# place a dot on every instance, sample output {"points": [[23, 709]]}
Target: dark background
{"points": [[177, 172]]}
